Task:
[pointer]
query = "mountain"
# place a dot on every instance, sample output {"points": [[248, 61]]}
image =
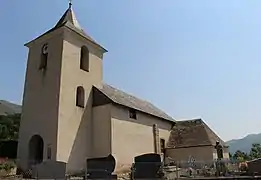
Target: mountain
{"points": [[244, 144], [9, 108]]}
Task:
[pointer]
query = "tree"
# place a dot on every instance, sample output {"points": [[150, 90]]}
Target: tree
{"points": [[241, 156], [255, 151], [9, 127]]}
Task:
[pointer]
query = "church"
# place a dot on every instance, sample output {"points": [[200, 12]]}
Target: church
{"points": [[69, 114]]}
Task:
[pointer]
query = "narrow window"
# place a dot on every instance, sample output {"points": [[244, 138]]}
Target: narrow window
{"points": [[162, 145], [132, 114], [44, 57], [84, 59], [49, 152], [80, 96]]}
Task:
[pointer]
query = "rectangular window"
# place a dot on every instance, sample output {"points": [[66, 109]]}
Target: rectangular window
{"points": [[162, 145], [49, 152], [132, 114]]}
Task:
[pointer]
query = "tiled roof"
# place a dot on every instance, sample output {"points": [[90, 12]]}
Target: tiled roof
{"points": [[191, 133], [9, 108], [122, 98]]}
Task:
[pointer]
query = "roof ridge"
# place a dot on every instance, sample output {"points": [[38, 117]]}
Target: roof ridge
{"points": [[144, 100], [127, 93], [209, 132], [189, 120]]}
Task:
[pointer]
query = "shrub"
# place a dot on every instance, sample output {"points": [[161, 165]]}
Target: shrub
{"points": [[7, 165]]}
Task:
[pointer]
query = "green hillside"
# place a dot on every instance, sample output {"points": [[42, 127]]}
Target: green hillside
{"points": [[9, 108], [244, 144]]}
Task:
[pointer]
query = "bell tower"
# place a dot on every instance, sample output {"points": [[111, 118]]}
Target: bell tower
{"points": [[63, 65]]}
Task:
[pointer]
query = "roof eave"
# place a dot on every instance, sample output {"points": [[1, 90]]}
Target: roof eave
{"points": [[47, 32], [169, 120], [94, 43]]}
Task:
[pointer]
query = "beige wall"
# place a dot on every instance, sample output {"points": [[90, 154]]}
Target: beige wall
{"points": [[75, 123], [204, 154], [132, 137], [41, 97], [101, 131]]}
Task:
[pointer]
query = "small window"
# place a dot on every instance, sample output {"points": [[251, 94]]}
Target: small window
{"points": [[80, 96], [49, 152], [44, 57], [84, 59], [132, 114], [162, 145]]}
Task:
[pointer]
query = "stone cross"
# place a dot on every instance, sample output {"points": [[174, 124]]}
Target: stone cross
{"points": [[219, 149]]}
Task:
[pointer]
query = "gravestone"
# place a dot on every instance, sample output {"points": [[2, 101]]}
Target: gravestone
{"points": [[147, 166], [49, 170], [101, 168]]}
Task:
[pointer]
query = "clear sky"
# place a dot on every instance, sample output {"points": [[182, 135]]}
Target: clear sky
{"points": [[191, 58]]}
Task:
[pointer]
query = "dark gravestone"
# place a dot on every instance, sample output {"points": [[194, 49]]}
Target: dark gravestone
{"points": [[101, 168], [147, 166], [49, 170]]}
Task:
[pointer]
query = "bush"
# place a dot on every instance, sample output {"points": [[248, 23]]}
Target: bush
{"points": [[7, 165]]}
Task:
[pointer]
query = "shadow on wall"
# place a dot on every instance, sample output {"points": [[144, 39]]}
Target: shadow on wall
{"points": [[82, 143]]}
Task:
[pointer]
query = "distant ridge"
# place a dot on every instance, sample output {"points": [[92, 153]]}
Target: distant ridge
{"points": [[7, 107], [244, 144]]}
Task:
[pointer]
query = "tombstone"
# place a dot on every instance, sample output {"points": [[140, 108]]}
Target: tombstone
{"points": [[147, 166], [49, 170], [101, 168]]}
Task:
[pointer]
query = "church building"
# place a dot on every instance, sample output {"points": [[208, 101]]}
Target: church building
{"points": [[70, 114]]}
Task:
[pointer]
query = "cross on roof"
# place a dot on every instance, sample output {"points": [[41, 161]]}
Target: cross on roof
{"points": [[70, 3]]}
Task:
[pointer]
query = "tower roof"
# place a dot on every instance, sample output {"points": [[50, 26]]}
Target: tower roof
{"points": [[70, 21], [70, 17]]}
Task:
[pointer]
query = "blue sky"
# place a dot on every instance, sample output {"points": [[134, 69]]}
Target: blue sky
{"points": [[190, 58]]}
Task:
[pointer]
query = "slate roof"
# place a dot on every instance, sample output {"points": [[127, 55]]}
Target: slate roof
{"points": [[70, 21], [122, 98], [192, 133], [9, 108]]}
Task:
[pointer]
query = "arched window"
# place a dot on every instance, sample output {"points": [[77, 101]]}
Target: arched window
{"points": [[44, 57], [80, 96], [84, 60]]}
